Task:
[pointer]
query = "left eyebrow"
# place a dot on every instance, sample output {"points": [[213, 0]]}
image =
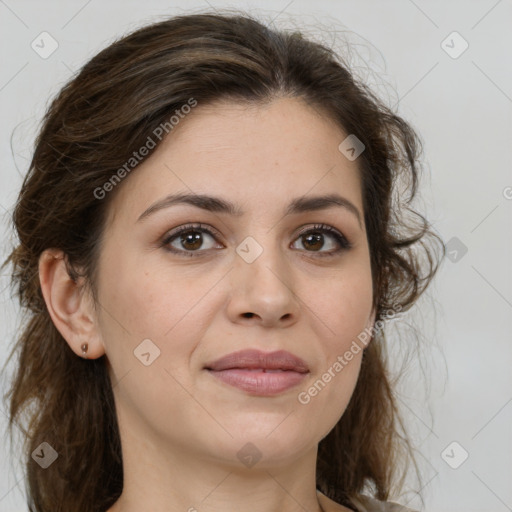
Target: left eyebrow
{"points": [[220, 205]]}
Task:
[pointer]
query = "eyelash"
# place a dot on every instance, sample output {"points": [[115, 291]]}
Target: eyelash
{"points": [[317, 228]]}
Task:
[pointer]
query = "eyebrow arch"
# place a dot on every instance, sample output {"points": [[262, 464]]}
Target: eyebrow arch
{"points": [[219, 205]]}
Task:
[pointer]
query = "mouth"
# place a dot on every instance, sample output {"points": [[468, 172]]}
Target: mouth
{"points": [[263, 370], [259, 373], [259, 381]]}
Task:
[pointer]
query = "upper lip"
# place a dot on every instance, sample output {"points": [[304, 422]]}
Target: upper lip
{"points": [[254, 359]]}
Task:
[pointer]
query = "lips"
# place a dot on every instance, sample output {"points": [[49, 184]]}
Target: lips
{"points": [[257, 360], [259, 373]]}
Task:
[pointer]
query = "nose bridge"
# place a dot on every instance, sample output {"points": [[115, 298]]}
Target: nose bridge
{"points": [[260, 256], [261, 277]]}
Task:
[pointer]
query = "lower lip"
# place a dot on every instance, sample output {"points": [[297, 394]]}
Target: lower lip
{"points": [[258, 382]]}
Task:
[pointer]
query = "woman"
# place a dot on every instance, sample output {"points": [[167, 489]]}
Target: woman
{"points": [[210, 244]]}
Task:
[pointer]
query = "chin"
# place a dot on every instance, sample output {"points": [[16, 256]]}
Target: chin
{"points": [[253, 445]]}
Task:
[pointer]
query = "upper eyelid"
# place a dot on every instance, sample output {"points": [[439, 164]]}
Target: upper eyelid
{"points": [[202, 227], [190, 227]]}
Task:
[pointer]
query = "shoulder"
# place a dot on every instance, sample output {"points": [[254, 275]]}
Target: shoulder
{"points": [[363, 504], [367, 504], [329, 505]]}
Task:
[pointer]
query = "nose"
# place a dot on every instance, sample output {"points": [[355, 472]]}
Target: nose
{"points": [[262, 289]]}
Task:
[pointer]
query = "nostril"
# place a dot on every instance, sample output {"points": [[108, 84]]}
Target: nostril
{"points": [[248, 315]]}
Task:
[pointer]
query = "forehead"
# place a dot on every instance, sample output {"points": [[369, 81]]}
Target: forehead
{"points": [[258, 156]]}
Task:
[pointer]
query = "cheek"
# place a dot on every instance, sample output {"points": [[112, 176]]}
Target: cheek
{"points": [[143, 301], [343, 306], [342, 310]]}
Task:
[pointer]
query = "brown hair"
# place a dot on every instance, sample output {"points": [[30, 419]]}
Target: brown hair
{"points": [[90, 130]]}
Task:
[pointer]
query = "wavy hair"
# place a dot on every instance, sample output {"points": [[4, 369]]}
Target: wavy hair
{"points": [[93, 126]]}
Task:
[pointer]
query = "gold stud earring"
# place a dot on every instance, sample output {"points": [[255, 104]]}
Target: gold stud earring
{"points": [[85, 347]]}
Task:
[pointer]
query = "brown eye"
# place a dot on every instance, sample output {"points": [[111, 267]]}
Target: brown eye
{"points": [[191, 240], [188, 239], [314, 239]]}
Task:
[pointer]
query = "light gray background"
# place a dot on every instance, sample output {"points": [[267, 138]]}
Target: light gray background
{"points": [[462, 108]]}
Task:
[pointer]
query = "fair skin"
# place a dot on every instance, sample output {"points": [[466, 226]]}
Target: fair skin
{"points": [[180, 427]]}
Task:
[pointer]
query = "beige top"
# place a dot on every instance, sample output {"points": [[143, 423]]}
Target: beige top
{"points": [[366, 504]]}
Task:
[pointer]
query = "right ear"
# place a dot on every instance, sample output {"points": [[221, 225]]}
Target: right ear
{"points": [[70, 306]]}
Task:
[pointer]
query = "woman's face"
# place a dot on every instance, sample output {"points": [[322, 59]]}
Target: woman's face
{"points": [[265, 279]]}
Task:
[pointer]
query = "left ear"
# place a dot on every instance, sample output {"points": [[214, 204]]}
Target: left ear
{"points": [[371, 319], [370, 326]]}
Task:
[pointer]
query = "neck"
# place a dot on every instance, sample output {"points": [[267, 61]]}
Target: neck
{"points": [[165, 478]]}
